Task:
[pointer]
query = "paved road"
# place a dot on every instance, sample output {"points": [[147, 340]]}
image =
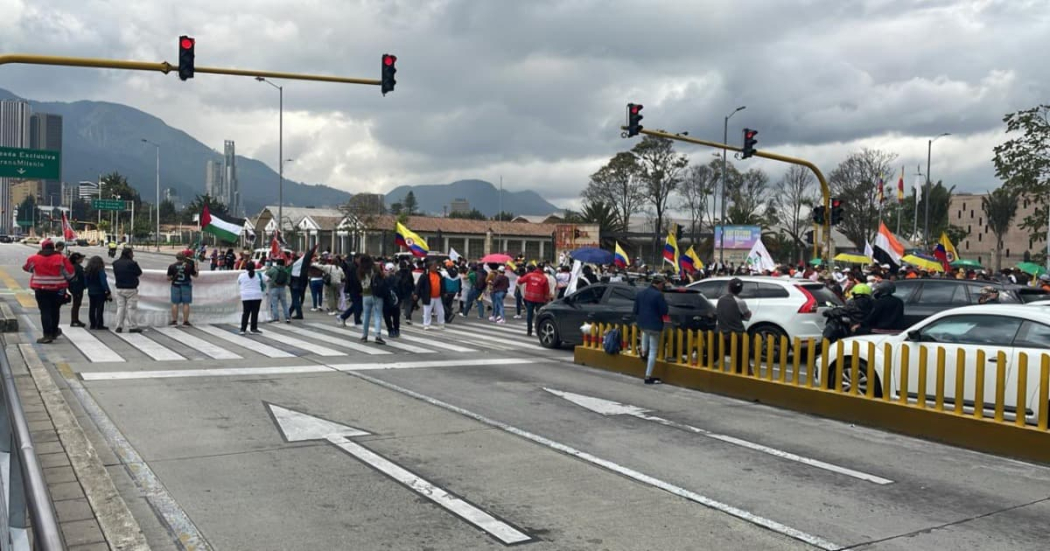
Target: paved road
{"points": [[475, 438]]}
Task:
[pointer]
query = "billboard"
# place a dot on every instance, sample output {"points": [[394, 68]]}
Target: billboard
{"points": [[569, 237], [738, 237]]}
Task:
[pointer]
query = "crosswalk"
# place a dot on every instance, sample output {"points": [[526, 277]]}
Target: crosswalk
{"points": [[278, 340]]}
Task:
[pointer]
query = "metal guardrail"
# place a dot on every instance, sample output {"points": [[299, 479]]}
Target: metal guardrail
{"points": [[1018, 395], [24, 501]]}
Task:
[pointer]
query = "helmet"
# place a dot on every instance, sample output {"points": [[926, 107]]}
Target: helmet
{"points": [[885, 288], [861, 289]]}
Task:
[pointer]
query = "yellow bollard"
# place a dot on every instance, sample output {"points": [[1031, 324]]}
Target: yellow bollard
{"points": [[634, 340], [797, 361], [840, 363], [960, 380], [887, 371], [938, 391], [978, 387], [905, 381], [678, 346], [870, 393], [757, 346], [854, 370], [721, 353], [689, 349], [734, 352], [922, 377], [745, 348], [783, 358], [1022, 388], [825, 347], [770, 356], [711, 347], [811, 363], [1000, 386], [1044, 391]]}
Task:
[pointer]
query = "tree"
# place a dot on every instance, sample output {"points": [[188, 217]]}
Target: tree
{"points": [[603, 214], [660, 170], [1023, 163], [695, 193], [854, 181], [503, 216], [1000, 207], [397, 207], [364, 207], [618, 185], [26, 211], [473, 214], [409, 204], [794, 196], [747, 197], [196, 206], [167, 212]]}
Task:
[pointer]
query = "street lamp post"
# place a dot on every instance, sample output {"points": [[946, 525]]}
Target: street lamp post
{"points": [[722, 221], [926, 217], [280, 152], [156, 237]]}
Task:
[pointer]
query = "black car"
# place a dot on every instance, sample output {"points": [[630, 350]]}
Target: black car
{"points": [[559, 322], [6, 239], [926, 297]]}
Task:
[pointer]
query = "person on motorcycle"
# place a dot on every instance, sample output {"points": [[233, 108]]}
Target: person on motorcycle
{"points": [[887, 311], [858, 308], [112, 248]]}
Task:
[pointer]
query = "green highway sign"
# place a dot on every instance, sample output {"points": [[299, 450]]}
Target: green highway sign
{"points": [[30, 163], [108, 204]]}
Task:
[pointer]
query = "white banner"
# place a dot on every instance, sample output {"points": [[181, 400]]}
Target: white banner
{"points": [[216, 299]]}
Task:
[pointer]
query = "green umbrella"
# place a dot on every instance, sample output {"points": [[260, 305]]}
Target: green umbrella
{"points": [[1031, 268], [966, 264], [816, 262]]}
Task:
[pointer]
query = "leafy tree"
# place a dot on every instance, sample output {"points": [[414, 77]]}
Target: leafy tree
{"points": [[748, 196], [698, 186], [1023, 163], [167, 212], [504, 216], [410, 205], [793, 198], [364, 207], [854, 181], [1000, 207], [660, 170], [601, 213], [473, 214], [617, 184], [26, 214], [196, 206], [397, 207]]}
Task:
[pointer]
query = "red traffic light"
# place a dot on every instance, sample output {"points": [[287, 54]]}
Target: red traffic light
{"points": [[635, 108], [186, 43], [836, 203], [389, 60], [750, 134]]}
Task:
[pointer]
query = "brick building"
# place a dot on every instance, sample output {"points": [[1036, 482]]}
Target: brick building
{"points": [[965, 211]]}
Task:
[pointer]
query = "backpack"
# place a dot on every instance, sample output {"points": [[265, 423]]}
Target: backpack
{"points": [[611, 342], [281, 278]]}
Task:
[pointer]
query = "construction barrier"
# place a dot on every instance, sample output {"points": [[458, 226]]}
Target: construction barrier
{"points": [[960, 397]]}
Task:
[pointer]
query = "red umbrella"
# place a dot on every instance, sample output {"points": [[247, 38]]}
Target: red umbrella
{"points": [[496, 258]]}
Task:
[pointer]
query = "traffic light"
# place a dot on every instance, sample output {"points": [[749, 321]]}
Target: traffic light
{"points": [[836, 211], [749, 143], [677, 232], [818, 215], [186, 45], [389, 68], [634, 119]]}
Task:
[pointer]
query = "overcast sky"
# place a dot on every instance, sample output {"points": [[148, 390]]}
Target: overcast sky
{"points": [[535, 90]]}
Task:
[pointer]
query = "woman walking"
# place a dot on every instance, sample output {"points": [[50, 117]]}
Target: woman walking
{"points": [[97, 290], [371, 284], [76, 288], [252, 287]]}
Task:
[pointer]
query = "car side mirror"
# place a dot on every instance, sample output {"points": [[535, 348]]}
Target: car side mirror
{"points": [[915, 336]]}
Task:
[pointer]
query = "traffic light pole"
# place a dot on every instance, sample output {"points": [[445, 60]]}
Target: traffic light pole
{"points": [[825, 190], [165, 67]]}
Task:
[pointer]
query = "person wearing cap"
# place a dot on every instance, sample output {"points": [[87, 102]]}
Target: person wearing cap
{"points": [[181, 274], [731, 312], [989, 295], [535, 290], [50, 277], [650, 307], [391, 299], [500, 286], [1044, 282], [126, 274]]}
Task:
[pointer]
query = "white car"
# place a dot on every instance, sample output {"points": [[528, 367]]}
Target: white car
{"points": [[779, 306], [260, 255], [1008, 328]]}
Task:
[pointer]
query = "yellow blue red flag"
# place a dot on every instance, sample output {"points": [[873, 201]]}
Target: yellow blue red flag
{"points": [[406, 238]]}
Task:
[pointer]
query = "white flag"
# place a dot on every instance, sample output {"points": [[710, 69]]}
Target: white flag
{"points": [[453, 255], [919, 182], [868, 251], [759, 258], [577, 269]]}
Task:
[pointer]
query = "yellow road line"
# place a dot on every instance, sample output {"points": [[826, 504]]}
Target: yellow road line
{"points": [[9, 281], [23, 296]]}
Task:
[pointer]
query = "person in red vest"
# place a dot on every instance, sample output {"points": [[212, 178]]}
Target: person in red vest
{"points": [[50, 277], [536, 289]]}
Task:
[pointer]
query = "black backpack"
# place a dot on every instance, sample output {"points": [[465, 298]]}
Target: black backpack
{"points": [[281, 278]]}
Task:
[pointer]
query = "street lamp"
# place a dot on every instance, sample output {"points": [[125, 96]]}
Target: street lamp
{"points": [[156, 238], [280, 152], [725, 139], [926, 217]]}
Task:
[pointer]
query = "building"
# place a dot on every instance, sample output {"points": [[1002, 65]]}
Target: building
{"points": [[213, 178], [20, 189], [45, 132], [460, 206], [965, 211], [471, 238], [14, 132], [231, 185]]}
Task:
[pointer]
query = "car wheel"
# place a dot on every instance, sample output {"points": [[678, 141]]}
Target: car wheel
{"points": [[847, 377], [764, 331], [548, 334]]}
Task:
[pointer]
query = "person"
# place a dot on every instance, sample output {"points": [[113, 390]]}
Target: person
{"points": [[352, 288], [428, 291], [466, 284], [229, 259], [181, 274], [477, 290], [650, 307], [406, 287], [126, 274], [391, 298], [98, 291], [332, 277], [279, 277], [251, 286], [372, 293], [858, 308], [519, 300], [50, 277], [298, 288], [535, 290], [316, 282], [732, 312], [76, 288], [500, 285], [887, 311], [451, 285], [112, 248], [989, 295], [563, 277]]}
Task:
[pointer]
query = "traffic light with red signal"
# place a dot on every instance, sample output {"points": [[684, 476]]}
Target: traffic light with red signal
{"points": [[389, 68], [836, 211], [634, 119], [749, 143], [186, 55]]}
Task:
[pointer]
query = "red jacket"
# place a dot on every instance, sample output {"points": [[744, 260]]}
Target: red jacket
{"points": [[537, 288], [51, 271]]}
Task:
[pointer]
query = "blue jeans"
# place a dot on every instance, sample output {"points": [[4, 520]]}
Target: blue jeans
{"points": [[278, 296], [530, 312], [650, 345], [297, 300], [518, 302], [497, 303], [373, 310], [474, 299], [316, 291]]}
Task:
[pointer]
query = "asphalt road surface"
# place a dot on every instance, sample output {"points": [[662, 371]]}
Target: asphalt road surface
{"points": [[475, 437]]}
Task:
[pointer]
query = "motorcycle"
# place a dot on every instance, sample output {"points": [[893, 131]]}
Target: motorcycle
{"points": [[838, 324], [112, 252]]}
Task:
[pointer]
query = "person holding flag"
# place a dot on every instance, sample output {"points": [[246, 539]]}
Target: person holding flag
{"points": [[67, 231], [671, 250], [300, 281], [415, 244]]}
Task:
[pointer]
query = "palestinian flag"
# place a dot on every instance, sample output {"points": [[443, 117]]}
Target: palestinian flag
{"points": [[219, 228], [301, 267]]}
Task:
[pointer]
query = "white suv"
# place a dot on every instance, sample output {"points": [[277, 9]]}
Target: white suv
{"points": [[780, 306]]}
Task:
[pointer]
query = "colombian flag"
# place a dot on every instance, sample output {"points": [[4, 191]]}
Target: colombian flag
{"points": [[900, 187], [620, 257], [671, 250], [690, 262], [414, 243], [949, 250]]}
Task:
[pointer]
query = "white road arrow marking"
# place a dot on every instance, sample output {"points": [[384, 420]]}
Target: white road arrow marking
{"points": [[297, 427], [608, 407]]}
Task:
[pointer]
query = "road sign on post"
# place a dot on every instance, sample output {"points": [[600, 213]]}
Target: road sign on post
{"points": [[109, 204], [30, 163]]}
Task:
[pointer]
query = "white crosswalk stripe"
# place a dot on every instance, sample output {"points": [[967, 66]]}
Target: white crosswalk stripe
{"points": [[92, 348], [411, 336], [340, 343], [391, 342], [309, 347], [253, 343], [184, 337], [150, 348], [497, 341], [462, 338]]}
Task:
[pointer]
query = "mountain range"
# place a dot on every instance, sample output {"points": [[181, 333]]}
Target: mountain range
{"points": [[102, 137]]}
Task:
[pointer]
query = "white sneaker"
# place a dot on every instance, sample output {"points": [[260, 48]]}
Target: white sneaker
{"points": [[426, 328], [241, 332], [517, 317], [462, 315], [332, 313], [492, 318], [500, 321]]}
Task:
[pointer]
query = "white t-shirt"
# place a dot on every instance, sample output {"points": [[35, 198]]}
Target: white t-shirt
{"points": [[251, 287]]}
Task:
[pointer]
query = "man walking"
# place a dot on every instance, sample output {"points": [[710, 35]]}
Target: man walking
{"points": [[650, 307], [428, 291], [181, 275], [535, 290], [50, 277], [500, 286], [126, 272], [732, 312], [279, 277]]}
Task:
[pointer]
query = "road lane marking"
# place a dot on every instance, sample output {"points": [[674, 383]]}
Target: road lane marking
{"points": [[92, 348], [346, 343], [436, 344], [309, 347], [244, 342], [25, 297], [608, 407], [491, 343], [150, 348], [217, 372], [497, 341], [391, 341], [197, 343], [737, 512], [298, 427], [431, 363]]}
